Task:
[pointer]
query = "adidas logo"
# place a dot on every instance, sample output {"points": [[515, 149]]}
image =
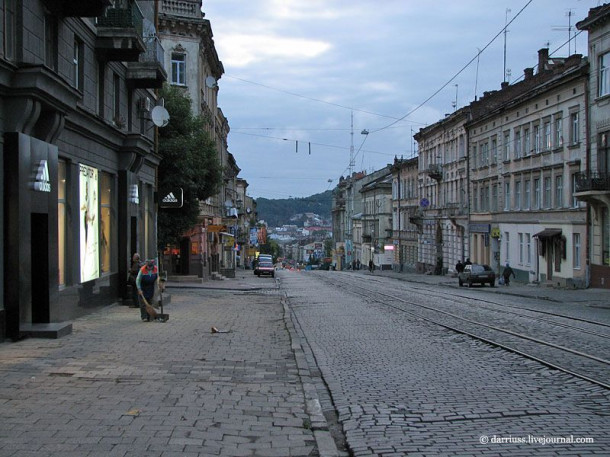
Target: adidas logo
{"points": [[170, 198], [42, 182]]}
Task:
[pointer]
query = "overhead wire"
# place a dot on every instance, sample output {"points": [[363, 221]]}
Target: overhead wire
{"points": [[455, 75]]}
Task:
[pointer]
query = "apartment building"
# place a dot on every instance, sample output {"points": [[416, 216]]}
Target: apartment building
{"points": [[77, 82], [593, 183], [405, 211], [193, 64], [442, 212], [527, 142]]}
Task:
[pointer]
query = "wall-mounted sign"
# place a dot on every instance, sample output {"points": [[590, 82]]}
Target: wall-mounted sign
{"points": [[42, 181], [171, 198], [89, 224], [134, 195], [424, 202]]}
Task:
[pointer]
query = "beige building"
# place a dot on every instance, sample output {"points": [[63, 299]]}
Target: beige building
{"points": [[527, 144], [443, 190], [593, 184], [405, 211]]}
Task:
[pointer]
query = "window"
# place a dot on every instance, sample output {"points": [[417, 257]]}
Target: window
{"points": [[494, 197], [528, 248], [106, 219], [10, 31], [575, 202], [526, 200], [101, 90], [50, 35], [517, 194], [527, 143], [521, 248], [474, 157], [116, 101], [484, 154], [517, 144], [537, 139], [506, 146], [559, 191], [604, 75], [78, 62], [62, 224], [547, 192], [179, 69], [577, 250], [537, 193], [506, 196], [574, 128], [558, 131], [507, 246], [494, 150], [547, 136]]}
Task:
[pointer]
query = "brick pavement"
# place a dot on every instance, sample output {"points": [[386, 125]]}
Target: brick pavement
{"points": [[120, 387]]}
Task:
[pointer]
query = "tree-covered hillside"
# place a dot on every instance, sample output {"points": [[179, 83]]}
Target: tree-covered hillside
{"points": [[278, 212]]}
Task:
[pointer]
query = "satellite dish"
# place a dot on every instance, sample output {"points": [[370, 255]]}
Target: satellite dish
{"points": [[210, 81], [159, 116]]}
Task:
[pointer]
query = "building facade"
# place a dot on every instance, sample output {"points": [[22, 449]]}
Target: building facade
{"points": [[593, 183], [525, 152], [405, 209], [77, 84]]}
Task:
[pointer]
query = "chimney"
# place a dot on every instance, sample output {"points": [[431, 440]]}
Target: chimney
{"points": [[504, 85], [543, 59], [528, 73]]}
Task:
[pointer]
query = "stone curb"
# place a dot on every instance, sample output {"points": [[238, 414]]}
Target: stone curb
{"points": [[324, 440]]}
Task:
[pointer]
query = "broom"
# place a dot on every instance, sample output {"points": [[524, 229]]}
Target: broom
{"points": [[149, 309]]}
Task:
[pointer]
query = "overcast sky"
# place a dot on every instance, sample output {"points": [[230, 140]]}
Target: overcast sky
{"points": [[296, 70]]}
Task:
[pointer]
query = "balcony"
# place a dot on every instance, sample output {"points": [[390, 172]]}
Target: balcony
{"points": [[435, 171], [119, 34], [593, 187], [78, 8], [148, 71]]}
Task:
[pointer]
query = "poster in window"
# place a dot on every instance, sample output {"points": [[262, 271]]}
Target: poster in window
{"points": [[89, 230]]}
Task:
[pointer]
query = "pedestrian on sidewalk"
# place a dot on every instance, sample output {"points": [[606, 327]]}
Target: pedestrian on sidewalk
{"points": [[147, 278], [506, 274], [459, 267], [136, 264], [371, 266]]}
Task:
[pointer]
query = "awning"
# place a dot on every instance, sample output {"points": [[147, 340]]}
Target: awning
{"points": [[548, 233]]}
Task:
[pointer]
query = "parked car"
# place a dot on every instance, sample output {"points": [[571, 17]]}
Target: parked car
{"points": [[259, 259], [477, 274], [264, 267]]}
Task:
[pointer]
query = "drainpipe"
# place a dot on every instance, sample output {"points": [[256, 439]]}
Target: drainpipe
{"points": [[588, 170]]}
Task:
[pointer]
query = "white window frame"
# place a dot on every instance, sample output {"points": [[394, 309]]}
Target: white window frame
{"points": [[178, 66], [604, 74]]}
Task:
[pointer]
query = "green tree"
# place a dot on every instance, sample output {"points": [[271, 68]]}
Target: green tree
{"points": [[188, 160]]}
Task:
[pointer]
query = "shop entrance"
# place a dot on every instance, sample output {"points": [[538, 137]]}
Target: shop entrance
{"points": [[39, 255]]}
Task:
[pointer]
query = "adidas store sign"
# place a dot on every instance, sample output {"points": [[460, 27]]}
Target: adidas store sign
{"points": [[42, 181], [171, 198]]}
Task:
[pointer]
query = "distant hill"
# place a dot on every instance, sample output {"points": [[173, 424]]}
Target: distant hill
{"points": [[278, 212]]}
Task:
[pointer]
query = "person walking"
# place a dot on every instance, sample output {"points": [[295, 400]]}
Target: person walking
{"points": [[136, 264], [147, 277], [459, 267], [506, 274], [371, 266]]}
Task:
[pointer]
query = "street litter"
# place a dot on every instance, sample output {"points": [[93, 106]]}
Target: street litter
{"points": [[215, 330]]}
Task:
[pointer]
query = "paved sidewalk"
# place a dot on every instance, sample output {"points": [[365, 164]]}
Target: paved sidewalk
{"points": [[120, 387]]}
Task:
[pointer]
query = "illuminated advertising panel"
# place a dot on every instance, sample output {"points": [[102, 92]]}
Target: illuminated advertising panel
{"points": [[89, 235]]}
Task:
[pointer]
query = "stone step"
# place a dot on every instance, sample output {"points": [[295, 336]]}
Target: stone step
{"points": [[51, 330], [184, 278]]}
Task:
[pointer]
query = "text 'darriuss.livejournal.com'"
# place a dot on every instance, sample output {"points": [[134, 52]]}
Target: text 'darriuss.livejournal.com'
{"points": [[535, 439]]}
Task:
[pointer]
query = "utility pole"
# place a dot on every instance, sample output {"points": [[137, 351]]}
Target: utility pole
{"points": [[505, 32]]}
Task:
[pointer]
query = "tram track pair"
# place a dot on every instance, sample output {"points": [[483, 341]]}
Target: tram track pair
{"points": [[517, 341]]}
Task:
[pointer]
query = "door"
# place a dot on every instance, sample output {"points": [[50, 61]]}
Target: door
{"points": [[40, 268]]}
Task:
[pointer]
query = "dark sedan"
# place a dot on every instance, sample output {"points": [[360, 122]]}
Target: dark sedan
{"points": [[477, 274]]}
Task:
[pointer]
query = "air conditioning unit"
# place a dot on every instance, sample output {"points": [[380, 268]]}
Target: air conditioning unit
{"points": [[144, 104]]}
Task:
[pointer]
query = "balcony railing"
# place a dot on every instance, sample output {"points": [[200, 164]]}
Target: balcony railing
{"points": [[435, 171], [587, 181], [148, 72], [129, 16]]}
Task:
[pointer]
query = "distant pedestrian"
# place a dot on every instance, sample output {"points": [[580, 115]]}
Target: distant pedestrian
{"points": [[506, 274], [136, 264], [468, 262], [371, 266], [358, 264], [459, 267]]}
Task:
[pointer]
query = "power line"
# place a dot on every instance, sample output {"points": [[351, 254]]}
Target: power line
{"points": [[457, 74]]}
